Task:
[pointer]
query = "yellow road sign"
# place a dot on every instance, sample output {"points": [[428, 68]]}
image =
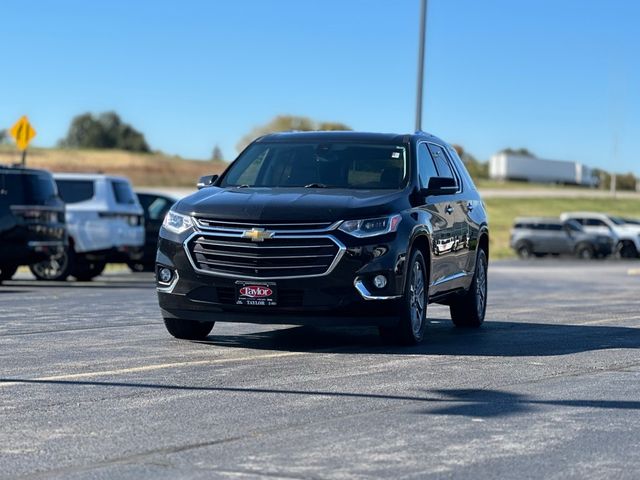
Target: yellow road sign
{"points": [[23, 133]]}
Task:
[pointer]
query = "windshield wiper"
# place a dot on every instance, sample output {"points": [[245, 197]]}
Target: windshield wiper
{"points": [[316, 185]]}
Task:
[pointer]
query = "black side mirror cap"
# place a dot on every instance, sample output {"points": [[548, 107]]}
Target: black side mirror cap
{"points": [[440, 186], [206, 181]]}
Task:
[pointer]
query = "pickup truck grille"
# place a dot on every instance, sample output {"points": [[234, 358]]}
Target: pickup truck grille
{"points": [[283, 256]]}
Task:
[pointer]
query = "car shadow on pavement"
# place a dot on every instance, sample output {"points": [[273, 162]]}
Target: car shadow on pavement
{"points": [[476, 403], [495, 338], [96, 284]]}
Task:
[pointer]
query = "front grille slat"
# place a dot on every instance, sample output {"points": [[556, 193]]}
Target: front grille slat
{"points": [[283, 256]]}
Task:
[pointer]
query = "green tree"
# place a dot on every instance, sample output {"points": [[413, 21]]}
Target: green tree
{"points": [[285, 123], [216, 155], [4, 136], [477, 170], [104, 131]]}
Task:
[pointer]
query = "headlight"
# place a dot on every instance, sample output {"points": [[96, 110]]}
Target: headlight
{"points": [[371, 226], [176, 222]]}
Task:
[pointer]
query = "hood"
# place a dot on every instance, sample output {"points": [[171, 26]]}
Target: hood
{"points": [[291, 204]]}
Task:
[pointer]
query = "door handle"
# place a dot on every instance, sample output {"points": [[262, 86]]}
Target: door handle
{"points": [[449, 209], [470, 206]]}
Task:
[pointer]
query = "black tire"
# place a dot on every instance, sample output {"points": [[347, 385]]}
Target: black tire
{"points": [[524, 250], [56, 268], [141, 267], [413, 306], [469, 310], [86, 270], [627, 249], [7, 272], [188, 329], [584, 251]]}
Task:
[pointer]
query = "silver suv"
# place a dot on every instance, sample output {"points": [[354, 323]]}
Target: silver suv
{"points": [[539, 236]]}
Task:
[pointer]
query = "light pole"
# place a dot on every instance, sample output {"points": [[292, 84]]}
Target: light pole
{"points": [[423, 31]]}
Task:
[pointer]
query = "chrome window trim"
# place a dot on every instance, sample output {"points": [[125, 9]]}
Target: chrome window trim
{"points": [[341, 251]]}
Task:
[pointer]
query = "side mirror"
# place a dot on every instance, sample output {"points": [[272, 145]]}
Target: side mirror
{"points": [[440, 186], [206, 181]]}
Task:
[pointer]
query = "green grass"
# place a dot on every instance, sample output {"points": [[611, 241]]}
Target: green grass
{"points": [[502, 212]]}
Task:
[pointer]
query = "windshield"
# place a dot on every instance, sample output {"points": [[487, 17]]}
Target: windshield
{"points": [[617, 220], [319, 165]]}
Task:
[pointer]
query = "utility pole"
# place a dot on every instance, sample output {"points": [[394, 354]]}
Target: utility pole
{"points": [[423, 31]]}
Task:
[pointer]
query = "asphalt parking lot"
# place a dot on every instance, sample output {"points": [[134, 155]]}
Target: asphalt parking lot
{"points": [[92, 386]]}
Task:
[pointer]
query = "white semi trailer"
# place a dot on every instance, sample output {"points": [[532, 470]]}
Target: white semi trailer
{"points": [[508, 166]]}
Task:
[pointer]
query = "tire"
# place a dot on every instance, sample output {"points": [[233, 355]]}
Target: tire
{"points": [[56, 268], [627, 249], [412, 324], [470, 309], [86, 270], [141, 267], [585, 252], [524, 250], [188, 329], [7, 272]]}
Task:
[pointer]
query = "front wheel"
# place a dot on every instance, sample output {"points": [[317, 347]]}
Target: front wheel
{"points": [[627, 249], [413, 321], [469, 309], [188, 329], [585, 252]]}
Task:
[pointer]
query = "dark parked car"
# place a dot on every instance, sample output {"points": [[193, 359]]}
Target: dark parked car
{"points": [[543, 236], [32, 225], [328, 228], [155, 206]]}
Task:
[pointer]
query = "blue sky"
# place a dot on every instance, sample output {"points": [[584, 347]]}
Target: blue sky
{"points": [[558, 77]]}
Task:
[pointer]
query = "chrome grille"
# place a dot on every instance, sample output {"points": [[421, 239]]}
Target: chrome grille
{"points": [[225, 225], [283, 256]]}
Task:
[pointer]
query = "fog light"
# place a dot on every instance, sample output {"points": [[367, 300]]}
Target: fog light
{"points": [[379, 281], [165, 275], [379, 251]]}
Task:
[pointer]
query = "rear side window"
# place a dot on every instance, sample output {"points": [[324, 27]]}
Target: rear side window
{"points": [[554, 227], [24, 188], [122, 192], [442, 164], [75, 191], [426, 167], [594, 222]]}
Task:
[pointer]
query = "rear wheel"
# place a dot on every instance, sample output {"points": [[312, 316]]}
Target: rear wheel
{"points": [[85, 270], [141, 267], [469, 310], [188, 329], [413, 321], [7, 272], [524, 250], [57, 267], [585, 251]]}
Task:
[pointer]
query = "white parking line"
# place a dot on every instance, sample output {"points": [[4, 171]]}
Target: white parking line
{"points": [[159, 366]]}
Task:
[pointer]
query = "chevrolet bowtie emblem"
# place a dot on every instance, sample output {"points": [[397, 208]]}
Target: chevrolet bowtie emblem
{"points": [[257, 234]]}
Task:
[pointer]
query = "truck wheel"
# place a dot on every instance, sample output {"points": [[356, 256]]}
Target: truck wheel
{"points": [[188, 329], [524, 250], [85, 270], [413, 320], [55, 268], [470, 309], [7, 272], [585, 252]]}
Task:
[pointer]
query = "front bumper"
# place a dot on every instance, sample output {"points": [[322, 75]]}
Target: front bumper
{"points": [[344, 296]]}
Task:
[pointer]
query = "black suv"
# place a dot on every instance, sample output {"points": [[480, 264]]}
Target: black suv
{"points": [[328, 228], [32, 227]]}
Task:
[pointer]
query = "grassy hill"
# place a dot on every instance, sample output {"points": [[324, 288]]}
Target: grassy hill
{"points": [[152, 169]]}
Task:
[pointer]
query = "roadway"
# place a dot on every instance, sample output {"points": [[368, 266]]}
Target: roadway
{"points": [[93, 387]]}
